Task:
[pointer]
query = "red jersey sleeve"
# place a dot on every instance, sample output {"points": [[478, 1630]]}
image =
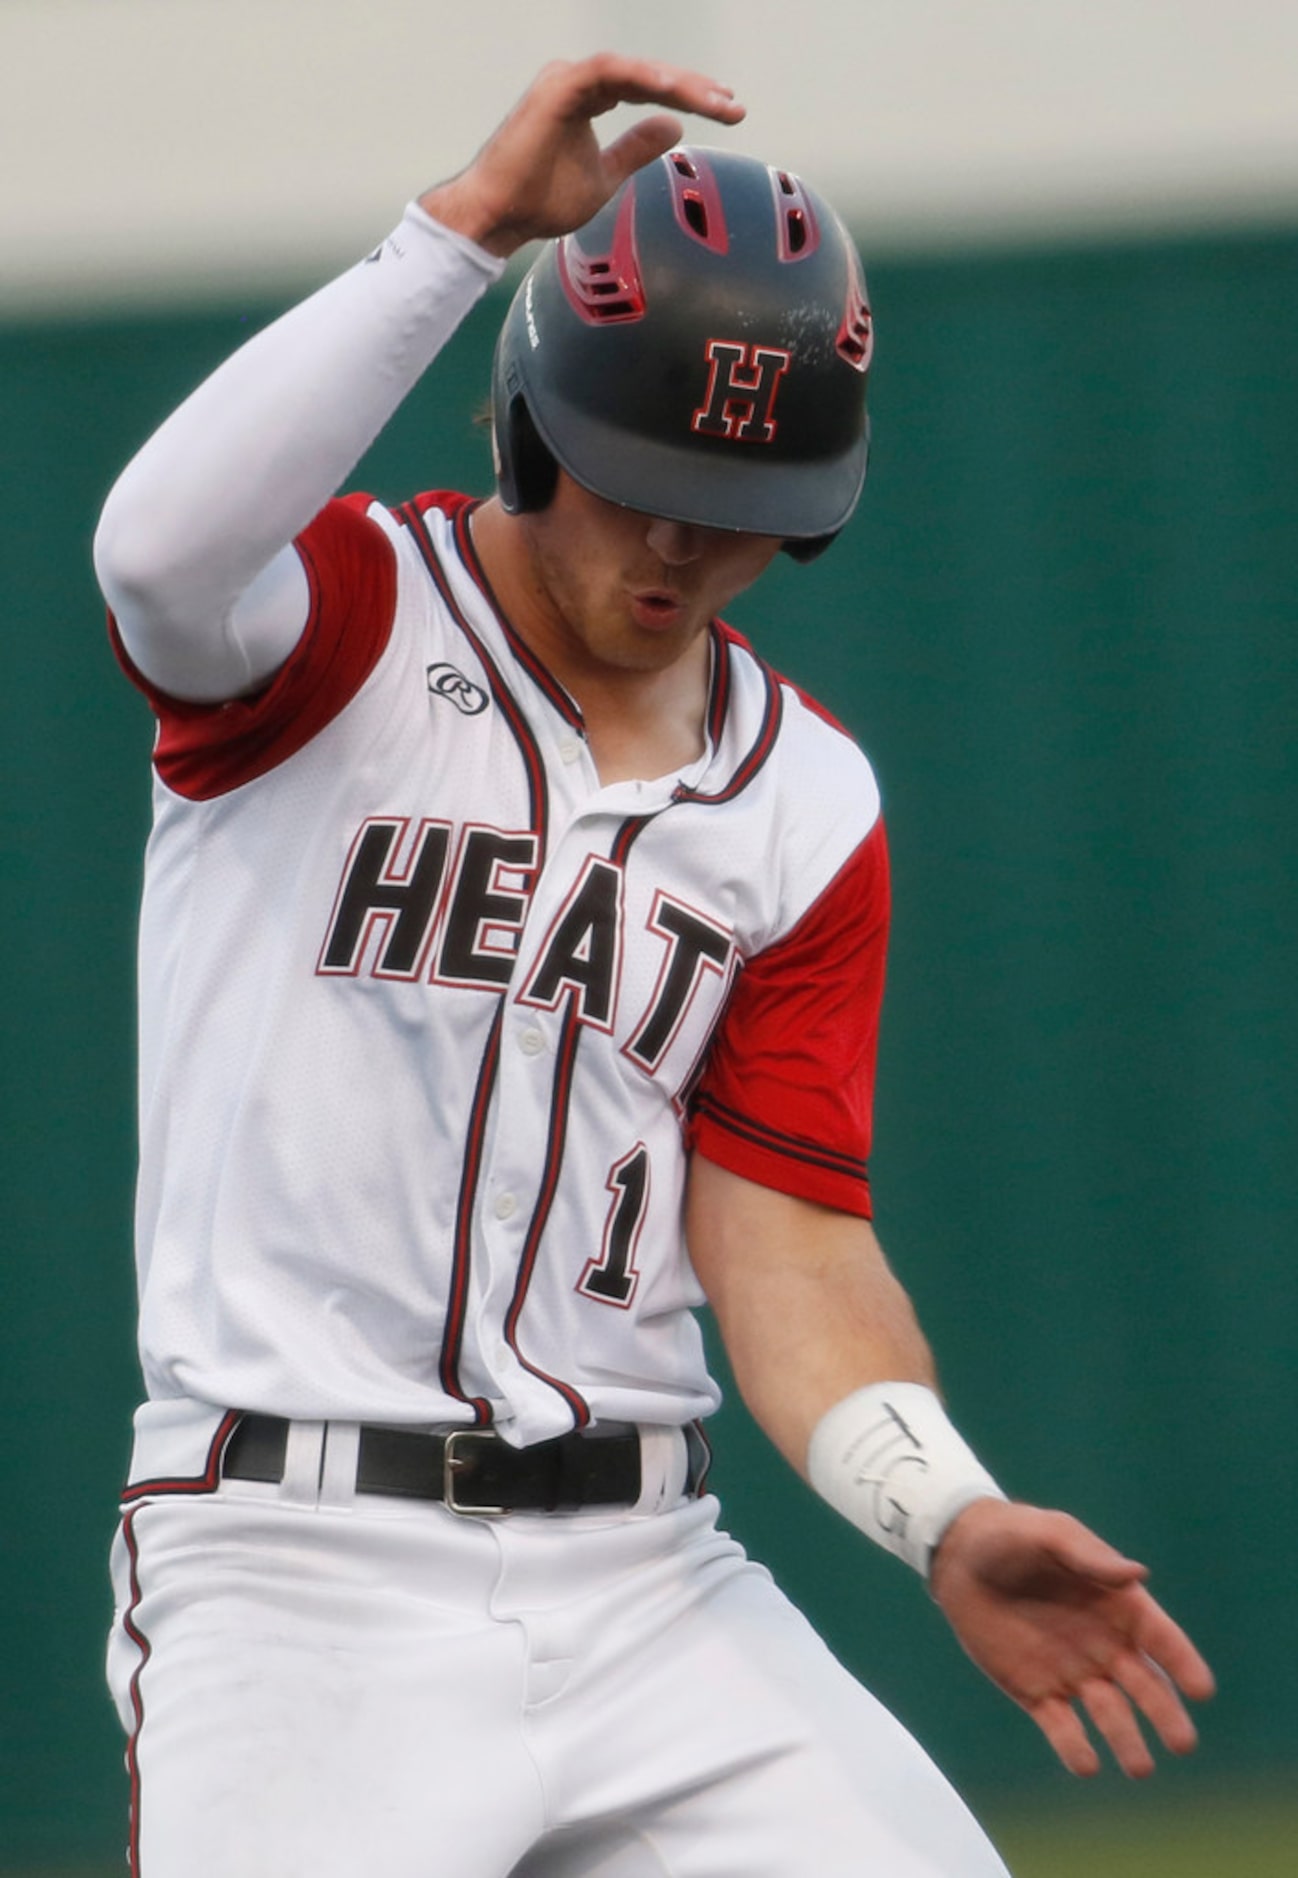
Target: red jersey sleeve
{"points": [[787, 1095], [206, 750]]}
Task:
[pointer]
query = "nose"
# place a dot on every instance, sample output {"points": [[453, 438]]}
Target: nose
{"points": [[675, 543]]}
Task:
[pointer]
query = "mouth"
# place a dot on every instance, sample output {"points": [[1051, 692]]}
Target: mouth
{"points": [[657, 607]]}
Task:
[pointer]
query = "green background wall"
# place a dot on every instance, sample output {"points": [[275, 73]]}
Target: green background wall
{"points": [[1064, 626]]}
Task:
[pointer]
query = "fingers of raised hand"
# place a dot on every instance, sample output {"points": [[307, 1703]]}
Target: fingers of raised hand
{"points": [[543, 173], [596, 84], [641, 143]]}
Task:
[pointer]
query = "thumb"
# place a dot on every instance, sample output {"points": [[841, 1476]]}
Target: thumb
{"points": [[1080, 1550], [649, 138]]}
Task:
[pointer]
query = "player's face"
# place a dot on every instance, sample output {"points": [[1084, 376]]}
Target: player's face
{"points": [[618, 590]]}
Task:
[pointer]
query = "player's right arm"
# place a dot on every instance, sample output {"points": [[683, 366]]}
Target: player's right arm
{"points": [[193, 550]]}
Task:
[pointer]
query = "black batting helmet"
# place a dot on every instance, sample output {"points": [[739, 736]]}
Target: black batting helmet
{"points": [[698, 350]]}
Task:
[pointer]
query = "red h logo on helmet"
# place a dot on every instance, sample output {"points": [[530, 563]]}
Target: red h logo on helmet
{"points": [[742, 384]]}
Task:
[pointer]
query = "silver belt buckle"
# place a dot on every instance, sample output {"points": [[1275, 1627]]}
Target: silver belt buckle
{"points": [[453, 1461]]}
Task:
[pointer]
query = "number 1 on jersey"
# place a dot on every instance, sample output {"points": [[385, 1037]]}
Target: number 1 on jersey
{"points": [[613, 1277]]}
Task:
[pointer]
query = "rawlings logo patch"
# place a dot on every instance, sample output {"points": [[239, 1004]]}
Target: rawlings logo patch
{"points": [[444, 681]]}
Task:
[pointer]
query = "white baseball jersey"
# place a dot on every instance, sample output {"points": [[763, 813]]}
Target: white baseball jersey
{"points": [[430, 1018], [431, 1021]]}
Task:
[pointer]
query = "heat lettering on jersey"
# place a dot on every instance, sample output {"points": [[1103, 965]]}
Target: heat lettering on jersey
{"points": [[695, 945], [379, 895], [405, 909], [390, 907], [583, 948], [486, 907]]}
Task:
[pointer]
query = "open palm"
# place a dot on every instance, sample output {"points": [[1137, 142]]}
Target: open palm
{"points": [[1060, 1621]]}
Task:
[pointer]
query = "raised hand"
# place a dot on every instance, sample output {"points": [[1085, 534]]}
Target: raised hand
{"points": [[1060, 1621], [544, 173]]}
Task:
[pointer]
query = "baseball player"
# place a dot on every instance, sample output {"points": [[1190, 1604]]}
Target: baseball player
{"points": [[511, 955]]}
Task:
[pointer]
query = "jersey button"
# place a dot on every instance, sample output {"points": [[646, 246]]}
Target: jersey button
{"points": [[531, 1042], [506, 1206], [570, 749]]}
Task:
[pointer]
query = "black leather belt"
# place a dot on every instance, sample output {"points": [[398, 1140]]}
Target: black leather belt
{"points": [[474, 1470]]}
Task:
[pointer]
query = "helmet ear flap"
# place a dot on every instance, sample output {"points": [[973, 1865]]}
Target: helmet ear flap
{"points": [[803, 551], [526, 472], [808, 549]]}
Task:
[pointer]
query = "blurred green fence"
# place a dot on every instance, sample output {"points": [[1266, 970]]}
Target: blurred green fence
{"points": [[1064, 626]]}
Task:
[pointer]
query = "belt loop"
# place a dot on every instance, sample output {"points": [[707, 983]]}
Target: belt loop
{"points": [[303, 1459], [342, 1441], [663, 1466]]}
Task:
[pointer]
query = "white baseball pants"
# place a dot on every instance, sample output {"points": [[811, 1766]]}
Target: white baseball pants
{"points": [[390, 1689]]}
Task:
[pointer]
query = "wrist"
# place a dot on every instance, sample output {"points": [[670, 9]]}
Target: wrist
{"points": [[961, 1533], [888, 1458], [459, 206]]}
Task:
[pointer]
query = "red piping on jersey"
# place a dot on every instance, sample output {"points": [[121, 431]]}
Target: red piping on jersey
{"points": [[457, 1300], [764, 743], [462, 1251], [797, 1147], [564, 704], [627, 835], [561, 1095], [721, 685], [206, 1482], [719, 694], [522, 733], [145, 1649]]}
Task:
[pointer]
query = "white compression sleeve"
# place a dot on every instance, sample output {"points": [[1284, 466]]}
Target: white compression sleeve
{"points": [[212, 502], [888, 1458]]}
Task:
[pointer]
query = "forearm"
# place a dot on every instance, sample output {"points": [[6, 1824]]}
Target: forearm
{"points": [[246, 462], [808, 1308]]}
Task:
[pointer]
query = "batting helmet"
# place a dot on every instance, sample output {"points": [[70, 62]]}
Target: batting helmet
{"points": [[698, 350]]}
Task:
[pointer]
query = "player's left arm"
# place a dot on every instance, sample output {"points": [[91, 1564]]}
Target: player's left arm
{"points": [[808, 1307], [810, 1312]]}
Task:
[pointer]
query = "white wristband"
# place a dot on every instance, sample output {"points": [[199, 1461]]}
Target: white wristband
{"points": [[888, 1459]]}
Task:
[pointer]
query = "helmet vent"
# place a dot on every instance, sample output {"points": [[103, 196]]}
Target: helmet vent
{"points": [[695, 213], [605, 289], [797, 232], [855, 341], [696, 200]]}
